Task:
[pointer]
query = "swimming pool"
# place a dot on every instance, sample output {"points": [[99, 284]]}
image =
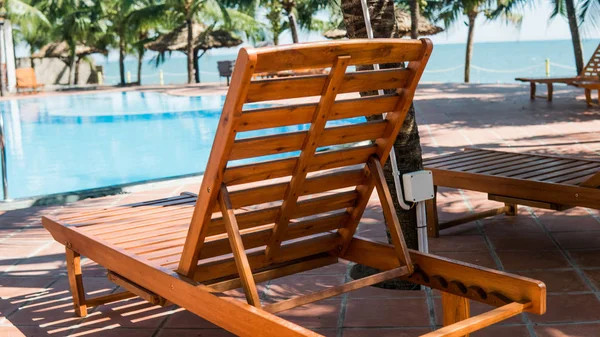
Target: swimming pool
{"points": [[75, 142]]}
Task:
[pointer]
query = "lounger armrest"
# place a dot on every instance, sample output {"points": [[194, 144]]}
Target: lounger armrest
{"points": [[463, 279]]}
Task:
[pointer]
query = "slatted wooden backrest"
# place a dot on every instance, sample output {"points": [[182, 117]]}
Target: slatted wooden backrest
{"points": [[309, 199], [592, 68]]}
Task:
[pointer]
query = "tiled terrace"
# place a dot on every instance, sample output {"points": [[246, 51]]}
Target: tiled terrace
{"points": [[562, 249]]}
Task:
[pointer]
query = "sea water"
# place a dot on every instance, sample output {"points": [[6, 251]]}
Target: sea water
{"points": [[493, 62]]}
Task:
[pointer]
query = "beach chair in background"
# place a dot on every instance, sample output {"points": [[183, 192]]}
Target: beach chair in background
{"points": [[26, 80], [541, 181], [589, 74], [265, 218]]}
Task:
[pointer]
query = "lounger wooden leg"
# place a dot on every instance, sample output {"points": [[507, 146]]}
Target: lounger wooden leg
{"points": [[76, 282], [455, 309], [511, 209], [237, 247], [433, 225], [588, 97], [532, 87]]}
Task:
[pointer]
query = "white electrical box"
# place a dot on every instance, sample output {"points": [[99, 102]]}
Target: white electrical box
{"points": [[418, 186]]}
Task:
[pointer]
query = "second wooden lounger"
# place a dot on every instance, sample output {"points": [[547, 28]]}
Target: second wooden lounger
{"points": [[258, 217], [541, 181]]}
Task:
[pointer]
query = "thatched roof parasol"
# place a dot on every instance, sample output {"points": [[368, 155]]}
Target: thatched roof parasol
{"points": [[61, 50], [402, 27], [203, 39]]}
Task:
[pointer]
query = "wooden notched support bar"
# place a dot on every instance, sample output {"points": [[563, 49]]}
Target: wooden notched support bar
{"points": [[336, 290], [389, 212], [475, 323], [476, 283], [237, 247]]}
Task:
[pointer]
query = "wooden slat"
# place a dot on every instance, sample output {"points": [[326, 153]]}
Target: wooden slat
{"points": [[532, 168], [288, 252], [281, 143], [317, 55], [306, 86], [309, 147], [575, 178], [237, 247], [257, 218], [549, 172], [452, 156], [484, 164], [286, 115], [479, 162], [243, 174], [507, 164], [480, 321], [464, 160], [157, 227], [336, 290], [303, 265], [527, 162]]}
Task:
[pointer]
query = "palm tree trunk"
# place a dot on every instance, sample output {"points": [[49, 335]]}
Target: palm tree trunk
{"points": [[414, 19], [293, 27], [72, 63], [407, 145], [122, 57], [190, 50], [196, 66], [469, 53], [575, 38], [139, 66]]}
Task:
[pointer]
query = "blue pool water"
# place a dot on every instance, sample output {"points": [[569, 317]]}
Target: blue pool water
{"points": [[69, 143]]}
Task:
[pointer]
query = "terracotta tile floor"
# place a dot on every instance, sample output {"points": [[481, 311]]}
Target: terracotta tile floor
{"points": [[560, 248]]}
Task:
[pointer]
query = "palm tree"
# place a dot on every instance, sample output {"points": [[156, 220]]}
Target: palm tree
{"points": [[452, 12], [190, 10], [588, 10], [291, 14], [131, 20], [24, 15], [407, 145], [76, 22]]}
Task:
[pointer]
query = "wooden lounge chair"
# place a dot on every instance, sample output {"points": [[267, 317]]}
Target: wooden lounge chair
{"points": [[26, 80], [590, 73], [541, 181], [266, 219]]}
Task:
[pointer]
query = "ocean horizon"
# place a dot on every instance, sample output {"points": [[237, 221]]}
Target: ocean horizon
{"points": [[493, 62]]}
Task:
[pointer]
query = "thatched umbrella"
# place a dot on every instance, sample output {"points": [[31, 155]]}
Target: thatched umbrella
{"points": [[204, 39], [402, 27], [61, 50]]}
